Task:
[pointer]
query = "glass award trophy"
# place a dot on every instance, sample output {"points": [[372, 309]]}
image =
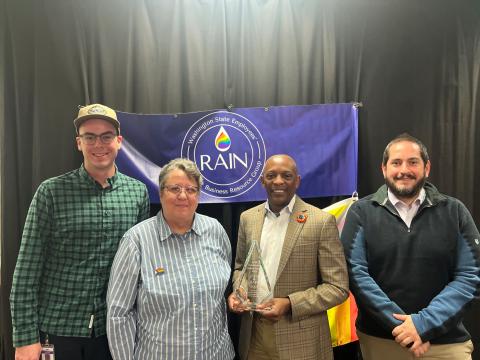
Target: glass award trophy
{"points": [[252, 275]]}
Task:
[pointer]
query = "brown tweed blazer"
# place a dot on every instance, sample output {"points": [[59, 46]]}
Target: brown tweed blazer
{"points": [[312, 273]]}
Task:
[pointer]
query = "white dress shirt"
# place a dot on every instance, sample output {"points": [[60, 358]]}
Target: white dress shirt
{"points": [[271, 245]]}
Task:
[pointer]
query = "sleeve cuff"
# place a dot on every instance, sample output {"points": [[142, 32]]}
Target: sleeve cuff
{"points": [[417, 321], [25, 337]]}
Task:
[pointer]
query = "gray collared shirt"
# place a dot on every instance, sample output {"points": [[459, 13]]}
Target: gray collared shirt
{"points": [[166, 293]]}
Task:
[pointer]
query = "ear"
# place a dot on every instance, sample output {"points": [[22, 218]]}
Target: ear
{"points": [[262, 180], [79, 143], [119, 140], [427, 168], [384, 170], [297, 182]]}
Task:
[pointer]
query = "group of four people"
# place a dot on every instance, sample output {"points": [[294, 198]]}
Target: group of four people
{"points": [[413, 259]]}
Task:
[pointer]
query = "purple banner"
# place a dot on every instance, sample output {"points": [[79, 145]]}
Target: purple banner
{"points": [[230, 148]]}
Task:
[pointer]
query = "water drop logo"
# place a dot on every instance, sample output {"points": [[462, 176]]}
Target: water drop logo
{"points": [[222, 140], [230, 162]]}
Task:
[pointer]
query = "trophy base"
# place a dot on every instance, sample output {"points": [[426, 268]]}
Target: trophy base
{"points": [[247, 304]]}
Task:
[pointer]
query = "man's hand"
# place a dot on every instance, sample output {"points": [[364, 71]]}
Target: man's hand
{"points": [[422, 349], [275, 308], [28, 352], [407, 336], [235, 305]]}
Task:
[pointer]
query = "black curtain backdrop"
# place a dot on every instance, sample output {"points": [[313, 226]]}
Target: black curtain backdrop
{"points": [[415, 66]]}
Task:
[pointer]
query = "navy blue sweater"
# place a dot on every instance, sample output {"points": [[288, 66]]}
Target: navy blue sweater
{"points": [[430, 270]]}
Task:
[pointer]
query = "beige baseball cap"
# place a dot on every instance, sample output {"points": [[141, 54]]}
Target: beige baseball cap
{"points": [[96, 111]]}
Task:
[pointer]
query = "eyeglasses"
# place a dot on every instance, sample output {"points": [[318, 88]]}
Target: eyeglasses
{"points": [[91, 139], [177, 189]]}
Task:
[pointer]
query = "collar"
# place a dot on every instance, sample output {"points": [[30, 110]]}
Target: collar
{"points": [[288, 209], [86, 176], [395, 200], [164, 231], [432, 195]]}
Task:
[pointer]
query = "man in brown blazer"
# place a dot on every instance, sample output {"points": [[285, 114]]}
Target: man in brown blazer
{"points": [[304, 261]]}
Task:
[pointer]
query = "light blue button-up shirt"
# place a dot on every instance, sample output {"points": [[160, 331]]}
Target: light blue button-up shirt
{"points": [[166, 293]]}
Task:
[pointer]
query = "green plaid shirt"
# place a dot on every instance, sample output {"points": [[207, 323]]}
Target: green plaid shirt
{"points": [[71, 235]]}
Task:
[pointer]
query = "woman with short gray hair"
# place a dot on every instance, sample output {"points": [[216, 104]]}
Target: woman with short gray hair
{"points": [[168, 280]]}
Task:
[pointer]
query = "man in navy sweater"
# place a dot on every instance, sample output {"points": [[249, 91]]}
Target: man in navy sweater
{"points": [[414, 262]]}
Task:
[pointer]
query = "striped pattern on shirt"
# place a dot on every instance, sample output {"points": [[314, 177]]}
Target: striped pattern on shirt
{"points": [[166, 296]]}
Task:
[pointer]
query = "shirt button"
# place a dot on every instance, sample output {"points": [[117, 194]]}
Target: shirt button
{"points": [[107, 213], [194, 305]]}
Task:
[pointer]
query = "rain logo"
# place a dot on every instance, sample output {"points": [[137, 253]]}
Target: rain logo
{"points": [[222, 140], [229, 152]]}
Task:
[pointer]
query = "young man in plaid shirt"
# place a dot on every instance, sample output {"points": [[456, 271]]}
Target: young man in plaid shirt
{"points": [[71, 233]]}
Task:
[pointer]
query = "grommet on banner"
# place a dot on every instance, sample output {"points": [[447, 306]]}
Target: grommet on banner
{"points": [[230, 107], [175, 115], [266, 108], [357, 104]]}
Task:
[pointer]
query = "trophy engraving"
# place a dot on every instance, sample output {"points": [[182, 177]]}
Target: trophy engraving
{"points": [[252, 276]]}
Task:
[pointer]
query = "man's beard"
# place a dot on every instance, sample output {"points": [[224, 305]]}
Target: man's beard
{"points": [[406, 192]]}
